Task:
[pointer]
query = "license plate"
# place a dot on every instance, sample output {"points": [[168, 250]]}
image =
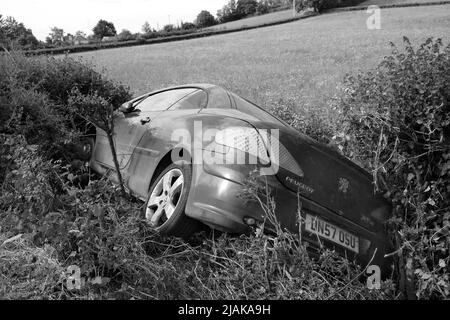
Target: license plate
{"points": [[331, 232]]}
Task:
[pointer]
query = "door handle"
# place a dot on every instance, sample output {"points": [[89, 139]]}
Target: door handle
{"points": [[145, 120]]}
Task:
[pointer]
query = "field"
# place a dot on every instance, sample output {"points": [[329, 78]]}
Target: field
{"points": [[384, 2], [254, 21], [287, 14], [303, 61]]}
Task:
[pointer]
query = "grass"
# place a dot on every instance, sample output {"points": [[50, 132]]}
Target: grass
{"points": [[287, 14], [303, 61], [384, 2], [254, 21]]}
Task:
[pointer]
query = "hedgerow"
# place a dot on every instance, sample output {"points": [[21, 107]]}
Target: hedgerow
{"points": [[396, 122], [309, 122], [35, 93]]}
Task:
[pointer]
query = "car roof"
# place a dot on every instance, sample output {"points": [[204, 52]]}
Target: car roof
{"points": [[204, 86]]}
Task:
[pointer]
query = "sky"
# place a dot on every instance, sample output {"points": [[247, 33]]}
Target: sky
{"points": [[41, 15]]}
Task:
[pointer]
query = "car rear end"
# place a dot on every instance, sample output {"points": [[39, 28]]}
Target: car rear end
{"points": [[339, 207]]}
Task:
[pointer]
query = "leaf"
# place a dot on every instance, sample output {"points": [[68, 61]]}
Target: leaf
{"points": [[101, 281], [98, 211], [442, 263], [426, 276]]}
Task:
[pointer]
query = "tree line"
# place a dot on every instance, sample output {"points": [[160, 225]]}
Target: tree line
{"points": [[14, 34]]}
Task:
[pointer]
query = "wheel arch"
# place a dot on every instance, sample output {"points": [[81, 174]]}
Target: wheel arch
{"points": [[167, 160]]}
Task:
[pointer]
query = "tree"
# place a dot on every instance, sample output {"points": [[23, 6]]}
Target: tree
{"points": [[146, 29], [13, 33], [205, 19], [100, 112], [80, 35], [69, 39], [246, 7], [2, 32], [104, 29], [168, 28], [228, 12], [125, 35], [316, 5], [57, 36], [262, 8], [188, 26]]}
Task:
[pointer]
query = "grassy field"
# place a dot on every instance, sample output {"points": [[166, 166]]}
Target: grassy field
{"points": [[304, 61], [384, 2], [287, 14], [254, 21]]}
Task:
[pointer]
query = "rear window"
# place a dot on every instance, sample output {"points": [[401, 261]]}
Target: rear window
{"points": [[255, 111], [163, 100], [219, 99], [194, 100]]}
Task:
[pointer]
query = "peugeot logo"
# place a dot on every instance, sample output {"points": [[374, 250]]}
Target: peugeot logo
{"points": [[344, 184]]}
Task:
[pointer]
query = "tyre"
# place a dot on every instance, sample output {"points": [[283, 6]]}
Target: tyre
{"points": [[85, 148], [166, 202]]}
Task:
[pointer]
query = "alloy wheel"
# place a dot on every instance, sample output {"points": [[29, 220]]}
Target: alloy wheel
{"points": [[165, 197]]}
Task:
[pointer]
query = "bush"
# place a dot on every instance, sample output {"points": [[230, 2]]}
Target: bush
{"points": [[308, 122], [396, 122], [262, 8], [34, 94]]}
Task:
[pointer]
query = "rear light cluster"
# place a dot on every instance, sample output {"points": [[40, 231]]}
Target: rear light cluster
{"points": [[242, 148], [244, 139]]}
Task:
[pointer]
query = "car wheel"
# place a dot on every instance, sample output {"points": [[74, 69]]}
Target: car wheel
{"points": [[166, 202]]}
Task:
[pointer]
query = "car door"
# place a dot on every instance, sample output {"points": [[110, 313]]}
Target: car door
{"points": [[130, 127], [159, 139]]}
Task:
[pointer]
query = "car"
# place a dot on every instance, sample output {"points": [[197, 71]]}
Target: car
{"points": [[188, 151]]}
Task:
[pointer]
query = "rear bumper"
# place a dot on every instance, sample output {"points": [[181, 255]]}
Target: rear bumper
{"points": [[218, 202]]}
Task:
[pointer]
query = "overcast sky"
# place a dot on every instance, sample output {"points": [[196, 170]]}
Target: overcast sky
{"points": [[41, 15]]}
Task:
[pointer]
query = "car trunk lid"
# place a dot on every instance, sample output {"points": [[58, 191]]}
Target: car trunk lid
{"points": [[329, 179]]}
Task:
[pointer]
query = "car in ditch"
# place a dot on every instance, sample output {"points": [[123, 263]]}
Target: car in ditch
{"points": [[187, 152]]}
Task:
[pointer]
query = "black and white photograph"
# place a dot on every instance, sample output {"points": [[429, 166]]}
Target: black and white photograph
{"points": [[225, 156]]}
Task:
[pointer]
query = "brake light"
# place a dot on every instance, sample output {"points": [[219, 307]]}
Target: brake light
{"points": [[244, 139]]}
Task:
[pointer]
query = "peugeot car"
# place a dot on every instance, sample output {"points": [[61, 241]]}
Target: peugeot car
{"points": [[187, 152]]}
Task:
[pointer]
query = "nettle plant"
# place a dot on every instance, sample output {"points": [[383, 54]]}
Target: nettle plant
{"points": [[396, 122]]}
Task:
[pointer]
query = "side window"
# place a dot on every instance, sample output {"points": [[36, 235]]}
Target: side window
{"points": [[218, 98], [251, 109], [163, 100], [194, 100]]}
